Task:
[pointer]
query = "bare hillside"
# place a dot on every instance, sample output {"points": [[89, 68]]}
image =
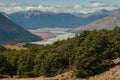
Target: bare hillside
{"points": [[106, 23]]}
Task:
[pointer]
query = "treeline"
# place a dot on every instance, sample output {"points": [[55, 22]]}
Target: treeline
{"points": [[87, 54]]}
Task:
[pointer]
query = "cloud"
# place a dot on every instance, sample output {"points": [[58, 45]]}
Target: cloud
{"points": [[98, 4], [53, 8], [114, 5], [95, 4], [90, 7], [2, 4]]}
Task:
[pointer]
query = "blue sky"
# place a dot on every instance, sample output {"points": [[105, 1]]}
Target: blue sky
{"points": [[56, 2], [84, 6]]}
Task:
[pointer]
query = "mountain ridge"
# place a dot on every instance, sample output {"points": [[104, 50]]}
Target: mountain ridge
{"points": [[10, 32]]}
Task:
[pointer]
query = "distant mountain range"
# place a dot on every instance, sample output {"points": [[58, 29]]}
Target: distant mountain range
{"points": [[37, 19], [109, 22], [34, 19], [101, 12], [10, 32]]}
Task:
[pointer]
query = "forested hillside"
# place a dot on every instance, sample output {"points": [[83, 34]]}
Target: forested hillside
{"points": [[87, 54]]}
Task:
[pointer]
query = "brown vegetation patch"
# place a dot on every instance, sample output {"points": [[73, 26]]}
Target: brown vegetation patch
{"points": [[14, 46]]}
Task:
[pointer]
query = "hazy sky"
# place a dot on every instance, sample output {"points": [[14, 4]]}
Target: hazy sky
{"points": [[57, 2], [58, 5]]}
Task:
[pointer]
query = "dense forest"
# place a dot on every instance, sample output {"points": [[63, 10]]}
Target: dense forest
{"points": [[87, 54]]}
